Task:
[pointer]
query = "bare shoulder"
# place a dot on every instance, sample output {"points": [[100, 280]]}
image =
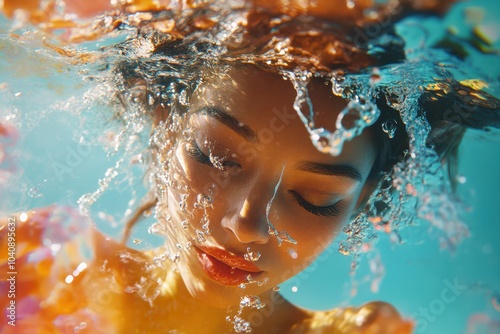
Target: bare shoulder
{"points": [[371, 318]]}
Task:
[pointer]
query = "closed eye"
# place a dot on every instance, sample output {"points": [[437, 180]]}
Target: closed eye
{"points": [[326, 211], [194, 151]]}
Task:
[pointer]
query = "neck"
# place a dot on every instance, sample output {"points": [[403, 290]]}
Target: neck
{"points": [[277, 312], [174, 307]]}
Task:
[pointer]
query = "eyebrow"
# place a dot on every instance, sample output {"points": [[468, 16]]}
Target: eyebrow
{"points": [[230, 121], [327, 169]]}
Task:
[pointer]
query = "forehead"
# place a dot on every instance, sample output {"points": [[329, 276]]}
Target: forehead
{"points": [[253, 92], [264, 102]]}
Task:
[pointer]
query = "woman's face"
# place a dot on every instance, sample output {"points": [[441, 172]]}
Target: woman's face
{"points": [[252, 155]]}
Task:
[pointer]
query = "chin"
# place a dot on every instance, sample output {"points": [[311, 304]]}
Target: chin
{"points": [[213, 294]]}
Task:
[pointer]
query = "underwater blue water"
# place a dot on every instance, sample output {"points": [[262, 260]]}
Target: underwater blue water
{"points": [[417, 273], [55, 165]]}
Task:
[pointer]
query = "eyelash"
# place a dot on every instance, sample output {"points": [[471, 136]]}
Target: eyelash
{"points": [[326, 211], [194, 151]]}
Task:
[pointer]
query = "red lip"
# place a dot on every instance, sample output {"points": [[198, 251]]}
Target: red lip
{"points": [[225, 268]]}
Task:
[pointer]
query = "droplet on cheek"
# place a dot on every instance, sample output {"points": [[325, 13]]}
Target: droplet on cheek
{"points": [[251, 255]]}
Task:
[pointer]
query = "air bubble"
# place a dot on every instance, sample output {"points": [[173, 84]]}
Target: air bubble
{"points": [[203, 201], [252, 302], [183, 202], [175, 257], [343, 250], [321, 139], [251, 255], [200, 236], [151, 100], [34, 193], [390, 126], [241, 325]]}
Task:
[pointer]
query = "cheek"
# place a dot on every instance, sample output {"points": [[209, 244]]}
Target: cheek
{"points": [[191, 175], [312, 233]]}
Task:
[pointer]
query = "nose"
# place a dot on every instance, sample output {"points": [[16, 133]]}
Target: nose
{"points": [[248, 223]]}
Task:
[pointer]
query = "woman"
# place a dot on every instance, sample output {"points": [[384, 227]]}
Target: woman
{"points": [[243, 195], [256, 186]]}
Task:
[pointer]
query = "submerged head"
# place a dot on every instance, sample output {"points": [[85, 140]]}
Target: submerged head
{"points": [[247, 168], [236, 174]]}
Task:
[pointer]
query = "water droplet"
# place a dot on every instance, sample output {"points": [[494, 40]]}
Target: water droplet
{"points": [[241, 325], [200, 236], [175, 257], [276, 288], [285, 237], [185, 224], [158, 229], [251, 256], [295, 289], [23, 217], [54, 248], [151, 99], [390, 126], [203, 201], [343, 250], [183, 202], [293, 254], [251, 302], [136, 241], [337, 85], [81, 326], [375, 77], [321, 140], [34, 193]]}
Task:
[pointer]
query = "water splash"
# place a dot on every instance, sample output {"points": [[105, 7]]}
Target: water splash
{"points": [[281, 236], [241, 325], [251, 302], [351, 121]]}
